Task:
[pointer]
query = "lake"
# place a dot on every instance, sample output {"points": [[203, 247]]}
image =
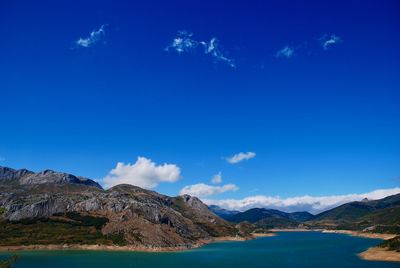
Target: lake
{"points": [[287, 249]]}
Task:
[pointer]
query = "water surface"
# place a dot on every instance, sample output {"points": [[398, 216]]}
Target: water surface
{"points": [[288, 249]]}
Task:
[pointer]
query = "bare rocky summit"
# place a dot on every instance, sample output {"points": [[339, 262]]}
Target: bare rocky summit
{"points": [[138, 217]]}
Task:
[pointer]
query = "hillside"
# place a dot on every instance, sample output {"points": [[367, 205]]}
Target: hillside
{"points": [[377, 215], [221, 212], [270, 218], [58, 208]]}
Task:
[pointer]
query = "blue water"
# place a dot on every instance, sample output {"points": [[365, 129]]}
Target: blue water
{"points": [[307, 249]]}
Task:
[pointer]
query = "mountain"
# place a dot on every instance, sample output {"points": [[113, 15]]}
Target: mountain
{"points": [[270, 218], [221, 212], [381, 215], [26, 177], [58, 208]]}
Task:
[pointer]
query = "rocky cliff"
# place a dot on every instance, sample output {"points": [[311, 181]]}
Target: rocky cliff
{"points": [[49, 200]]}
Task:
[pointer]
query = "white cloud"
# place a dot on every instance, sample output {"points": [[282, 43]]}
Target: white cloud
{"points": [[313, 204], [203, 190], [2, 159], [285, 52], [327, 41], [144, 173], [240, 157], [184, 42], [217, 178], [213, 49], [94, 37]]}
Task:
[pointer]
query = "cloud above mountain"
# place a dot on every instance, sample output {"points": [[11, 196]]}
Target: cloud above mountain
{"points": [[329, 40], [217, 178], [144, 173], [285, 52], [204, 190], [184, 43], [313, 204], [94, 37], [237, 158]]}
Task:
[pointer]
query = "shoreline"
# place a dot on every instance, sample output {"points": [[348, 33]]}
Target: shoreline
{"points": [[198, 244], [371, 254], [380, 254], [361, 234], [276, 230]]}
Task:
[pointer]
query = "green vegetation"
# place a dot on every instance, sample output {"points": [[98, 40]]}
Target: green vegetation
{"points": [[69, 228], [9, 262], [275, 222], [2, 210], [391, 244], [83, 220], [379, 216]]}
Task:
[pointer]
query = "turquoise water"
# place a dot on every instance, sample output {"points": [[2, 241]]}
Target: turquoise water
{"points": [[307, 249]]}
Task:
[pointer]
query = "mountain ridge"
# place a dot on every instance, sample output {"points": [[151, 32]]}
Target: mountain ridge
{"points": [[51, 207]]}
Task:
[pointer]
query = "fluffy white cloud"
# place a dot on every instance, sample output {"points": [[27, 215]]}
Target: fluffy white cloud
{"points": [[285, 52], [217, 178], [240, 157], [327, 41], [94, 37], [144, 173], [313, 204], [184, 42], [203, 190]]}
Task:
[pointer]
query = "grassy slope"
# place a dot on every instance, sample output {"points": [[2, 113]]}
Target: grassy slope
{"points": [[71, 228], [383, 215]]}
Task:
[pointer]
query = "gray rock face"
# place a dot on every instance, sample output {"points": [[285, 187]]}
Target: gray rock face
{"points": [[146, 218], [26, 177], [12, 174]]}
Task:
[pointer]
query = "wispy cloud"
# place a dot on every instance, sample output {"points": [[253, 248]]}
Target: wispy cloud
{"points": [[240, 157], [2, 159], [327, 41], [184, 42], [313, 204], [285, 52], [94, 37], [203, 190], [217, 178], [144, 173]]}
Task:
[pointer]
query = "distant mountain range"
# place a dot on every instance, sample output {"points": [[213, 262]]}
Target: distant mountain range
{"points": [[266, 218], [376, 215], [381, 215]]}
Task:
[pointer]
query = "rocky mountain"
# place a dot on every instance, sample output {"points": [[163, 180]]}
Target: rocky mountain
{"points": [[270, 218], [26, 177], [51, 207]]}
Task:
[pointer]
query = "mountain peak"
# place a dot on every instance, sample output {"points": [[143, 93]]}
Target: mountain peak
{"points": [[26, 177]]}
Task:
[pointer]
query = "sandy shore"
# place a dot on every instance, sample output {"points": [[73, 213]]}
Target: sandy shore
{"points": [[380, 254], [361, 234], [374, 253], [130, 248], [98, 247], [296, 230], [263, 234]]}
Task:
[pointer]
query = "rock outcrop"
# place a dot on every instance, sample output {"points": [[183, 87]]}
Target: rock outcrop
{"points": [[143, 218]]}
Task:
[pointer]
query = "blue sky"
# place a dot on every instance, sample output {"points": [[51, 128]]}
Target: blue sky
{"points": [[311, 88]]}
